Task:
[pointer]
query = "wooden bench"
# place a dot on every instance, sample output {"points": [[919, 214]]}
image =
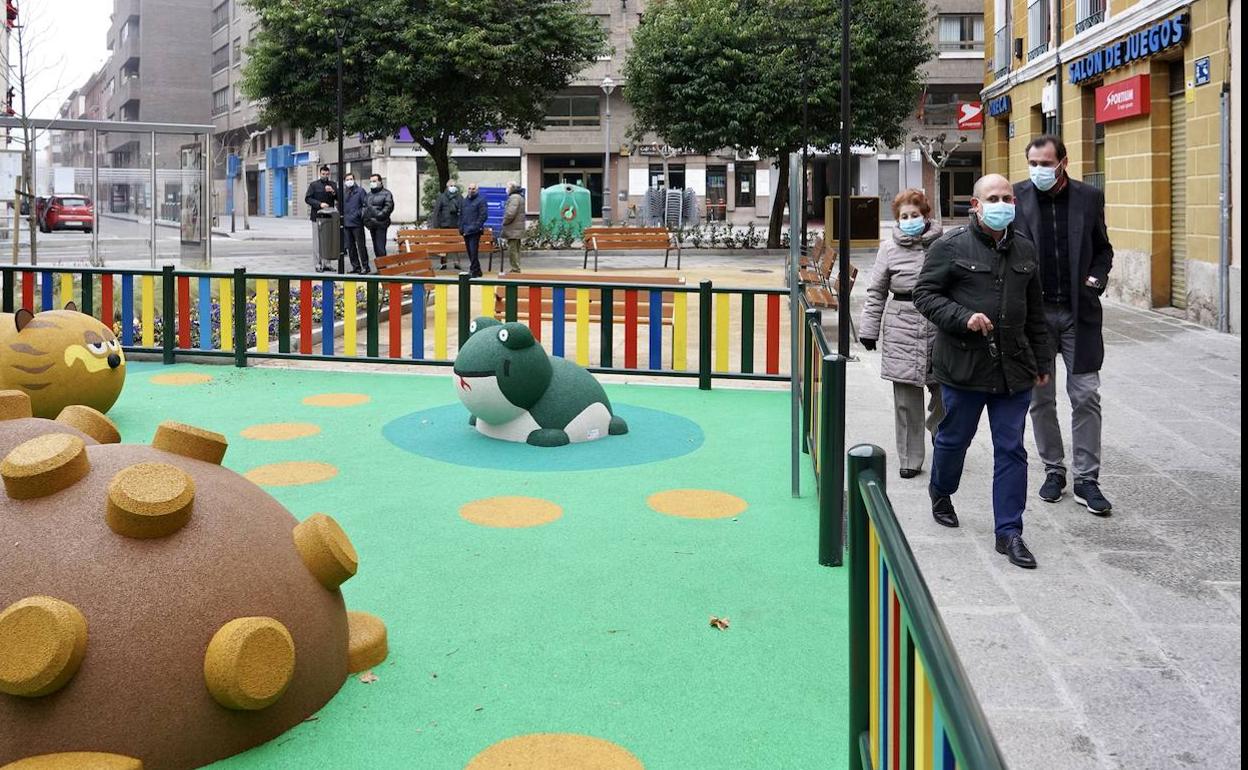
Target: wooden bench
{"points": [[818, 269], [618, 298], [822, 295], [598, 239], [446, 241]]}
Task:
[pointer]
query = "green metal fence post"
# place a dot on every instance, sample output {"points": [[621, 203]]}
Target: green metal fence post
{"points": [[465, 307], [704, 335], [240, 316], [283, 315], [6, 302], [373, 324], [88, 294], [807, 352], [831, 469], [861, 458], [510, 302], [168, 321], [606, 342]]}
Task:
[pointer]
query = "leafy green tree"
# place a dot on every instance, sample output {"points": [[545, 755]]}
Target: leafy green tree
{"points": [[449, 70], [713, 74]]}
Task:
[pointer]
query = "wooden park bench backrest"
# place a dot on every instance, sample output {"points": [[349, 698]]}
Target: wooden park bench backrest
{"points": [[405, 263], [438, 241], [618, 297], [596, 230], [619, 241]]}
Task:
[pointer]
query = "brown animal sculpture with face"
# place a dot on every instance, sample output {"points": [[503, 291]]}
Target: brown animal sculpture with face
{"points": [[60, 358]]}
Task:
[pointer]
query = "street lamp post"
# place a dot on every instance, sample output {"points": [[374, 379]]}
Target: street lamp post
{"points": [[342, 233], [608, 85]]}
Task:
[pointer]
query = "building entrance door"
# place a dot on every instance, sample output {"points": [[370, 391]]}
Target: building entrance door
{"points": [[889, 184], [585, 171]]}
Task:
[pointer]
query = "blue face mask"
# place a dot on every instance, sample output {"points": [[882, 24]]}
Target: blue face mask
{"points": [[996, 216], [912, 227], [1043, 177]]}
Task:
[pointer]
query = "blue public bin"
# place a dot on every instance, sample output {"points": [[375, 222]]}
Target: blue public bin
{"points": [[495, 202]]}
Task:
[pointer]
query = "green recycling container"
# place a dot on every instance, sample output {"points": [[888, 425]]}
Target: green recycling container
{"points": [[566, 205]]}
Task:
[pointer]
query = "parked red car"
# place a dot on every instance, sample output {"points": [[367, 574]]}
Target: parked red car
{"points": [[67, 212]]}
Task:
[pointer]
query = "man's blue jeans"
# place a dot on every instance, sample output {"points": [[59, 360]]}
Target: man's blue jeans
{"points": [[1007, 416]]}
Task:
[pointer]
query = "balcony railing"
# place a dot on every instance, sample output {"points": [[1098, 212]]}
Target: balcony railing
{"points": [[1038, 51], [956, 46], [1090, 14]]}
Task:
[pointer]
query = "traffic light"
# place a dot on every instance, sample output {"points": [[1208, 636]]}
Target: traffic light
{"points": [[10, 14]]}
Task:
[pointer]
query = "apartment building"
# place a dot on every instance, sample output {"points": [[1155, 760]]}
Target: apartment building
{"points": [[1136, 90]]}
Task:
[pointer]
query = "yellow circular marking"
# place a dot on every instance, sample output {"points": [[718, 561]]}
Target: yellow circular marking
{"points": [[44, 465], [697, 503], [290, 474], [249, 663], [366, 644], [91, 422], [180, 378], [42, 641], [541, 751], [189, 441], [149, 500], [337, 399], [326, 550], [14, 405], [280, 431], [510, 512], [76, 760]]}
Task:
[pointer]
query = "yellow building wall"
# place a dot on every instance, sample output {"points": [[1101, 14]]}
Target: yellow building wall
{"points": [[1209, 38]]}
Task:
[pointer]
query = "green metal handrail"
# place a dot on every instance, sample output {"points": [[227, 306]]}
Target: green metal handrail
{"points": [[965, 726]]}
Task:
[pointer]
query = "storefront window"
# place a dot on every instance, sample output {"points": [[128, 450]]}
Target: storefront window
{"points": [[677, 171], [746, 173], [716, 193]]}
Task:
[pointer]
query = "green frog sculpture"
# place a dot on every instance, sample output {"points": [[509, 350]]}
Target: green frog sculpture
{"points": [[517, 392]]}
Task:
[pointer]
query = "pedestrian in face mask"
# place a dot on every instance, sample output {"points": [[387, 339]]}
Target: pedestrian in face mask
{"points": [[378, 206], [471, 225], [445, 214], [905, 336], [1065, 218], [979, 286], [353, 222]]}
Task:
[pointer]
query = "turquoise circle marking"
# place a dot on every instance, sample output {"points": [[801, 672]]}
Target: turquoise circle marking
{"points": [[443, 433]]}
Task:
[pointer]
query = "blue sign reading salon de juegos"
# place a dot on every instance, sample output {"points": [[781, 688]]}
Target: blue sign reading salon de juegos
{"points": [[1138, 45]]}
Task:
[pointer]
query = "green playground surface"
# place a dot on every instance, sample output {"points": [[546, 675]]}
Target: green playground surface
{"points": [[597, 623]]}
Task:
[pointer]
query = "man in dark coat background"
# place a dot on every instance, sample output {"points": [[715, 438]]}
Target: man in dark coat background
{"points": [[471, 225], [378, 206], [980, 289], [320, 195], [353, 223], [445, 213], [1065, 219]]}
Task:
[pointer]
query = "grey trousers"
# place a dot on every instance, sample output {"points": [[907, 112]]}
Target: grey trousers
{"points": [[908, 415], [1085, 405]]}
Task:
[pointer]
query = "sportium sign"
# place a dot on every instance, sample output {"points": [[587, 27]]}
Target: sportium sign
{"points": [[1125, 99], [970, 116], [1138, 45]]}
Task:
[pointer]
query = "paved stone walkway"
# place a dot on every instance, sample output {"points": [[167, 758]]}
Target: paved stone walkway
{"points": [[1123, 649]]}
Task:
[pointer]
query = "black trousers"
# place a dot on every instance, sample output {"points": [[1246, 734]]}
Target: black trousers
{"points": [[379, 241], [471, 244], [356, 251]]}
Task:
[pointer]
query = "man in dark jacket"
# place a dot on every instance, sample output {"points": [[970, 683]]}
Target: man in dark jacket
{"points": [[353, 223], [378, 206], [979, 287], [472, 218], [445, 214], [1066, 221], [320, 195]]}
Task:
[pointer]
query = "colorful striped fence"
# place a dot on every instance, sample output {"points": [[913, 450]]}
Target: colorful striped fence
{"points": [[911, 704], [726, 333], [821, 384]]}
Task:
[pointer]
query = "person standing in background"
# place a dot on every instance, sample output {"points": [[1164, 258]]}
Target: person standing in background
{"points": [[320, 195], [445, 214], [378, 206], [905, 336], [513, 224], [353, 223], [472, 218], [1066, 221]]}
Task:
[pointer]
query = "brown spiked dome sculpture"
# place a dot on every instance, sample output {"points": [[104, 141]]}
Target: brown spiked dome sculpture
{"points": [[156, 604]]}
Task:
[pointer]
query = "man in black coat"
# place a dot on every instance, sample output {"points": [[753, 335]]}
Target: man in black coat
{"points": [[980, 287], [378, 206], [353, 223], [1065, 219], [445, 214], [320, 195], [471, 225]]}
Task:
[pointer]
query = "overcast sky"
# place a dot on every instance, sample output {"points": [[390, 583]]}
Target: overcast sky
{"points": [[68, 44]]}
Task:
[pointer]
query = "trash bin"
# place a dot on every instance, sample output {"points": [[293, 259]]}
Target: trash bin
{"points": [[328, 239], [566, 206]]}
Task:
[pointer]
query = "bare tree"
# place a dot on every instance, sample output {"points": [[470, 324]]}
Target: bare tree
{"points": [[937, 150], [233, 143], [30, 36]]}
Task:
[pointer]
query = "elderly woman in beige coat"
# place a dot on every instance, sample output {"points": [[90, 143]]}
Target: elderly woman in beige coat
{"points": [[906, 344]]}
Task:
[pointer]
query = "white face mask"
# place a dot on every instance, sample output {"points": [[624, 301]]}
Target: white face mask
{"points": [[452, 189], [350, 183], [374, 185]]}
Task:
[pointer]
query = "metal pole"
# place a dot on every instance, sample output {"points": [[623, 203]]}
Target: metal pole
{"points": [[151, 200], [207, 201], [342, 235], [96, 259], [606, 167], [1224, 221], [805, 148], [33, 182], [795, 396], [843, 298]]}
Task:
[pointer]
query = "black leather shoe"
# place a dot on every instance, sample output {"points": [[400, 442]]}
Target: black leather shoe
{"points": [[909, 473], [943, 513], [1089, 494], [1051, 489], [1016, 551]]}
